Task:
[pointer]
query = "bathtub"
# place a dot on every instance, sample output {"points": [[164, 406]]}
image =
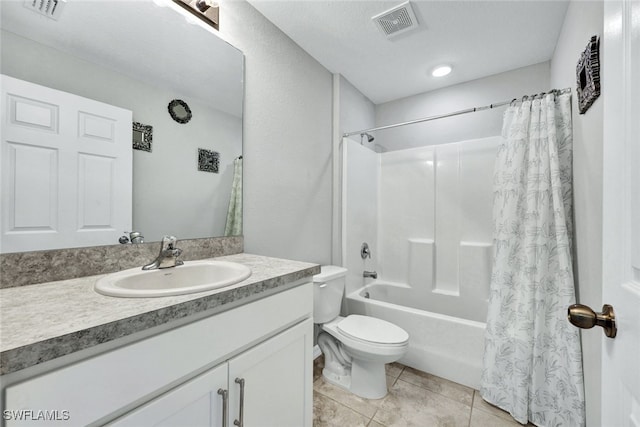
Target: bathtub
{"points": [[442, 345]]}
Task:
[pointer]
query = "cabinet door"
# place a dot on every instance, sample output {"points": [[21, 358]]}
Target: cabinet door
{"points": [[195, 403], [278, 380]]}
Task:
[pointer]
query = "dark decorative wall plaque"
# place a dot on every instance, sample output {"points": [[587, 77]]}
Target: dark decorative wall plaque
{"points": [[179, 111], [208, 161], [142, 137], [588, 75]]}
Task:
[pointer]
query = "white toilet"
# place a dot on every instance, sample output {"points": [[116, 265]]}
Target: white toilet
{"points": [[355, 347]]}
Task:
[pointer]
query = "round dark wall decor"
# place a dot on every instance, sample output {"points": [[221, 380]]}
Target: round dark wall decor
{"points": [[180, 111]]}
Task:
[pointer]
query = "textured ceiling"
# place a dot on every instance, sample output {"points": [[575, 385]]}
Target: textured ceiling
{"points": [[478, 38]]}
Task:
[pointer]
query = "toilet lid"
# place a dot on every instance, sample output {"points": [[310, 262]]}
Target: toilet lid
{"points": [[370, 329]]}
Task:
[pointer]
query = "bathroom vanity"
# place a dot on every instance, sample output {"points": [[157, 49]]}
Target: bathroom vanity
{"points": [[240, 355]]}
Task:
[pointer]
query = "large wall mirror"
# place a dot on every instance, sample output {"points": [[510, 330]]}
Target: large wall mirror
{"points": [[140, 56]]}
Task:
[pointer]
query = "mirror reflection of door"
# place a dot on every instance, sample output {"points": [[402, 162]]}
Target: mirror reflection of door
{"points": [[68, 179], [142, 71]]}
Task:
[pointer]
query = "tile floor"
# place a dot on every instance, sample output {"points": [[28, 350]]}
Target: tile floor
{"points": [[415, 398]]}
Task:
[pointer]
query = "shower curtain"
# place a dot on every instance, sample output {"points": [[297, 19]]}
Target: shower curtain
{"points": [[532, 364], [233, 226]]}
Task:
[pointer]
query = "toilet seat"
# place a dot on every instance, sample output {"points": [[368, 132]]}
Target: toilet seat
{"points": [[372, 330], [365, 347]]}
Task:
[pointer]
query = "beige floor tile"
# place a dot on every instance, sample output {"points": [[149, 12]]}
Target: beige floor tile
{"points": [[318, 364], [391, 381], [479, 404], [410, 405], [329, 413], [439, 385], [485, 419], [375, 424], [482, 405], [394, 369], [366, 407]]}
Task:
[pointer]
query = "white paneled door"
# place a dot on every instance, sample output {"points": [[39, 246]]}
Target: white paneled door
{"points": [[66, 176], [621, 212]]}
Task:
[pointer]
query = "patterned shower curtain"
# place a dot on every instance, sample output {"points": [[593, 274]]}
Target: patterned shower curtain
{"points": [[233, 226], [532, 364]]}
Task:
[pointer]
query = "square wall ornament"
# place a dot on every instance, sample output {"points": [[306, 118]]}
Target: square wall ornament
{"points": [[588, 75], [208, 161], [142, 137]]}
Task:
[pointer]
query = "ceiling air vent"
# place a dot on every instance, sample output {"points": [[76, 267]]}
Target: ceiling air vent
{"points": [[397, 20], [49, 8]]}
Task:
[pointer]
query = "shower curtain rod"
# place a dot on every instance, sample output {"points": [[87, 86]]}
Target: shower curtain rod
{"points": [[428, 119], [456, 113]]}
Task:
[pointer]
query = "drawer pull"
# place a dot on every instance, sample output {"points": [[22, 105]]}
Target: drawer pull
{"points": [[225, 405], [240, 421]]}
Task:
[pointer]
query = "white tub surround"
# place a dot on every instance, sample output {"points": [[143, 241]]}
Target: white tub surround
{"points": [[426, 215]]}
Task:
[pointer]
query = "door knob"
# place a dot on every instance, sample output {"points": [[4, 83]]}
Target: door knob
{"points": [[584, 317]]}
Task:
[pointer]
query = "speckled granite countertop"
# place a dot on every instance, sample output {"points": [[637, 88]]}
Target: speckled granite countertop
{"points": [[45, 321]]}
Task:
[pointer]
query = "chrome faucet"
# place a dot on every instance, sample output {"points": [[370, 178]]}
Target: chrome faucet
{"points": [[371, 274], [168, 256]]}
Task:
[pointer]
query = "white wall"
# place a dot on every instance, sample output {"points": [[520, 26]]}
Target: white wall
{"points": [[583, 20], [357, 112], [170, 196], [476, 93], [287, 140]]}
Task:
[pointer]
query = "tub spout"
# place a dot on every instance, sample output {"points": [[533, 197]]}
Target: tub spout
{"points": [[371, 274]]}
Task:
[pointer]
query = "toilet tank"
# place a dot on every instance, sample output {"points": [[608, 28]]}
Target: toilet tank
{"points": [[328, 288]]}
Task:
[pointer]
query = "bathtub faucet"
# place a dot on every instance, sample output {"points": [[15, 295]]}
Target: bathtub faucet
{"points": [[371, 274]]}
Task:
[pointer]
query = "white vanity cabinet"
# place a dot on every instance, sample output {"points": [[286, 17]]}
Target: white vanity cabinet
{"points": [[264, 386], [194, 403], [172, 378], [274, 373]]}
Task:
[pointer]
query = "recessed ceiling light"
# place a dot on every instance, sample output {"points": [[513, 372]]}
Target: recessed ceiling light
{"points": [[440, 71]]}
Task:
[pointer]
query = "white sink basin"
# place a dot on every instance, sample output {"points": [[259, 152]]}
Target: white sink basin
{"points": [[193, 276]]}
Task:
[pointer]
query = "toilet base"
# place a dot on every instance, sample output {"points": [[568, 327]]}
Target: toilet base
{"points": [[365, 379], [368, 379], [342, 381]]}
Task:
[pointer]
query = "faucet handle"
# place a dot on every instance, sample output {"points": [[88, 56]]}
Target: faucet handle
{"points": [[134, 237], [365, 252], [169, 242]]}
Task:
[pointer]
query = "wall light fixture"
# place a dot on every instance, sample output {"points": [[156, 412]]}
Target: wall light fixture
{"points": [[207, 10]]}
